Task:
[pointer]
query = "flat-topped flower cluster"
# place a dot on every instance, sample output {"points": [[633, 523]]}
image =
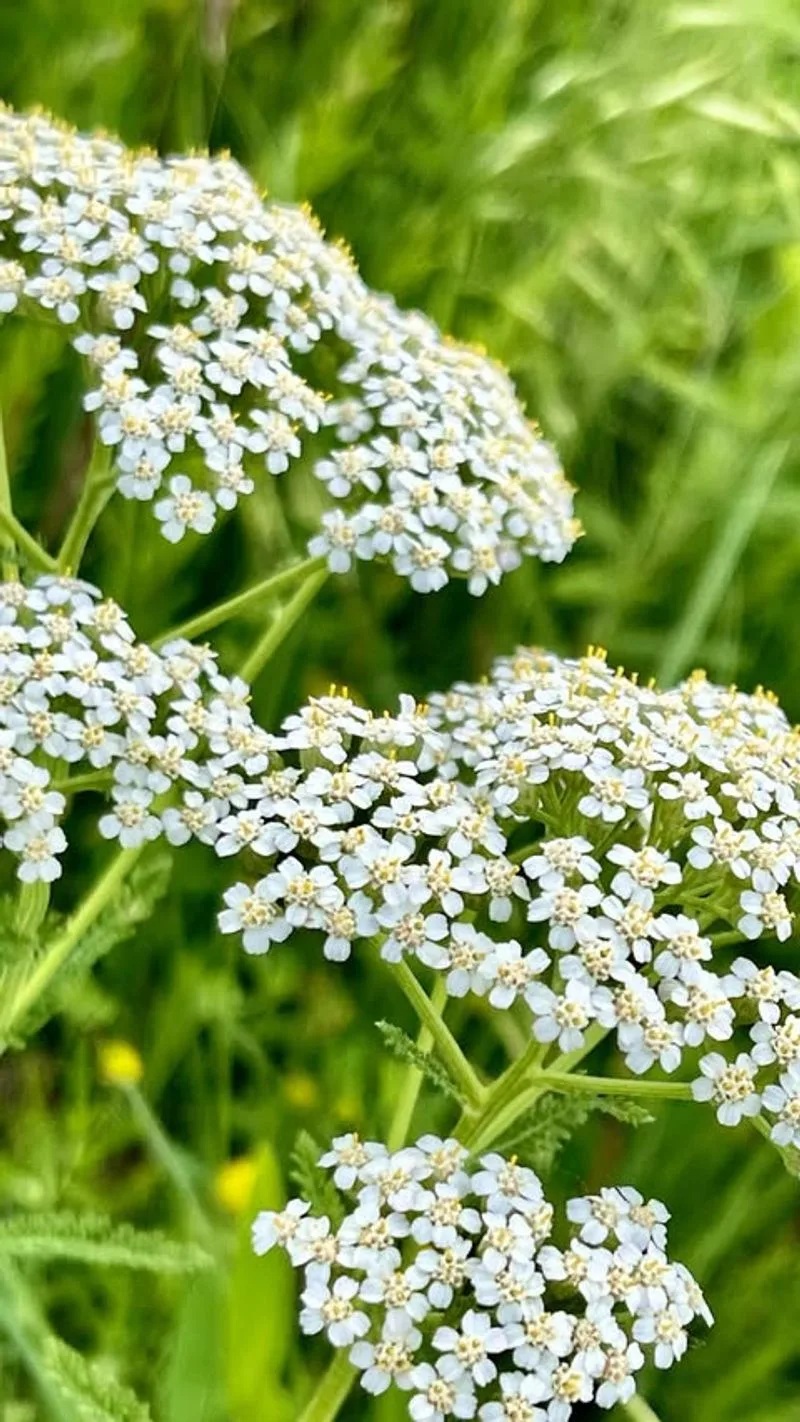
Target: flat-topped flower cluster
{"points": [[560, 836], [225, 337], [440, 1277], [169, 738]]}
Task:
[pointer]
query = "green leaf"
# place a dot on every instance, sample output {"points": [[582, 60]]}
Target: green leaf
{"points": [[541, 1134], [95, 1396], [95, 1239], [18, 940], [133, 905], [623, 1109], [191, 1384], [260, 1311], [314, 1183], [407, 1050]]}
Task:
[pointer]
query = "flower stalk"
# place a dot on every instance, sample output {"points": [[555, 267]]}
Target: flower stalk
{"points": [[412, 1077], [243, 601], [27, 545], [452, 1058], [79, 922], [638, 1410], [331, 1391], [9, 565], [282, 625], [98, 486]]}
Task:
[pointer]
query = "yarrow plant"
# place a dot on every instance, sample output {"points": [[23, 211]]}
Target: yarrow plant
{"points": [[225, 339], [439, 1276], [599, 855], [588, 856], [85, 706]]}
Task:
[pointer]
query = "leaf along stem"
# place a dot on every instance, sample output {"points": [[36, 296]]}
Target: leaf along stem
{"points": [[63, 944]]}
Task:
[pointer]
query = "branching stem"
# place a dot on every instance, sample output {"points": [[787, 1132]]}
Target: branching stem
{"points": [[282, 625], [233, 606]]}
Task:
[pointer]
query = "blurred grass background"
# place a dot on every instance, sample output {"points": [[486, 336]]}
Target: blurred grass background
{"points": [[607, 196]]}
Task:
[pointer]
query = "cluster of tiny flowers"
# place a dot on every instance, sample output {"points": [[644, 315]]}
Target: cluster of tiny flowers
{"points": [[169, 740], [441, 1278], [224, 337], [559, 835]]}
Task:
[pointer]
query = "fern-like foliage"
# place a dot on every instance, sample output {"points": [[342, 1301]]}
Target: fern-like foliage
{"points": [[18, 944], [314, 1184], [133, 905], [95, 1239], [541, 1134], [94, 1395], [407, 1050]]}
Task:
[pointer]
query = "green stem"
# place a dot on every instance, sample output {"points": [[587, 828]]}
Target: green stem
{"points": [[331, 1390], [517, 1090], [91, 780], [168, 1157], [412, 1078], [98, 486], [282, 625], [9, 563], [616, 1086], [451, 1055], [32, 550], [70, 936], [232, 606], [638, 1410]]}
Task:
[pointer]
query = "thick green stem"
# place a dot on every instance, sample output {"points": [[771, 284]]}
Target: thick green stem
{"points": [[616, 1086], [451, 1055], [282, 625], [26, 544], [331, 1390], [412, 1077], [233, 606], [517, 1090], [91, 780], [9, 562], [68, 939], [638, 1410], [98, 486]]}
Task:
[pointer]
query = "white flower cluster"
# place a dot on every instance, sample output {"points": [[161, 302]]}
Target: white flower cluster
{"points": [[170, 739], [441, 1279], [562, 836], [224, 336]]}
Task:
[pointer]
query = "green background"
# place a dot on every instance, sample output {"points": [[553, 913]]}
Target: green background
{"points": [[607, 196]]}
